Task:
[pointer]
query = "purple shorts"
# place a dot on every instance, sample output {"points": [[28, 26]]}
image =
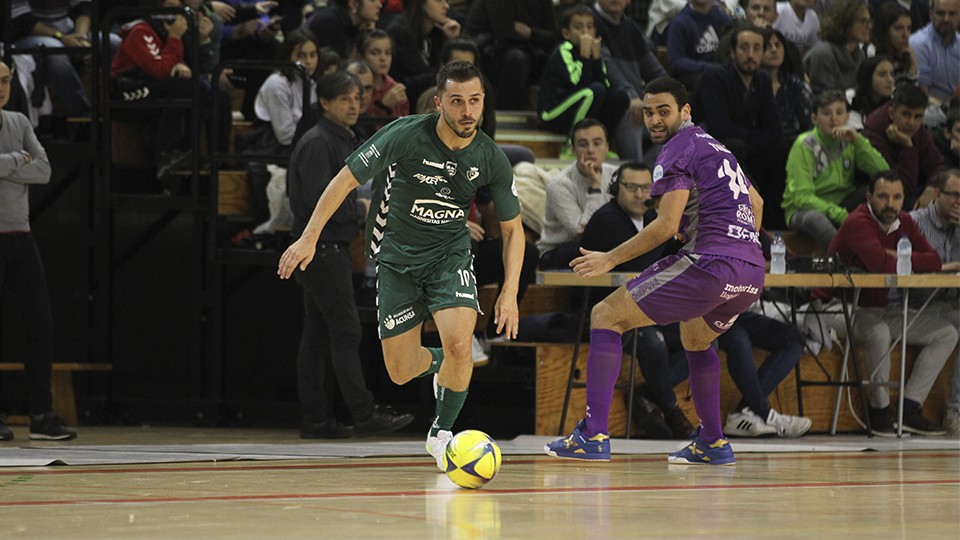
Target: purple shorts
{"points": [[683, 287]]}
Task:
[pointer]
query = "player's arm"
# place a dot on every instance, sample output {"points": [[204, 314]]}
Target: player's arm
{"points": [[595, 263], [301, 252], [505, 311], [756, 201]]}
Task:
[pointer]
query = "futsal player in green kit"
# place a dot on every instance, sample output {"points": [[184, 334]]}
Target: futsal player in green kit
{"points": [[425, 171]]}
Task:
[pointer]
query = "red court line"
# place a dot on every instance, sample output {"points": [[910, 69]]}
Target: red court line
{"points": [[238, 465], [517, 491]]}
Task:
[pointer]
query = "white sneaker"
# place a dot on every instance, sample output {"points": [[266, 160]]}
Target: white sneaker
{"points": [[746, 423], [951, 423], [437, 447], [788, 426], [480, 357]]}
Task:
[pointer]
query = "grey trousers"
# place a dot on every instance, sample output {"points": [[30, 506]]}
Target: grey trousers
{"points": [[814, 224]]}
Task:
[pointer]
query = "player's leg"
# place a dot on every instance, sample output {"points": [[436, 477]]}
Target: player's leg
{"points": [[401, 311], [405, 357]]}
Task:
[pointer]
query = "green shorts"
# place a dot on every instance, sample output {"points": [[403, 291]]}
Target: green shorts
{"points": [[407, 293]]}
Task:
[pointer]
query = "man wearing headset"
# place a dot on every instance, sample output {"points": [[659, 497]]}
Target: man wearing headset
{"points": [[574, 194]]}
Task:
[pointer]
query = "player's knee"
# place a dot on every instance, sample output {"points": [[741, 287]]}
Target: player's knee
{"points": [[400, 372]]}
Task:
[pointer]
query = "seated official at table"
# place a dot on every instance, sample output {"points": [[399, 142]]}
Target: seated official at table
{"points": [[868, 240]]}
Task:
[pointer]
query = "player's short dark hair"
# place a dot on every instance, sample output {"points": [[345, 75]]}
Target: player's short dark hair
{"points": [[459, 44], [587, 123], [459, 71], [828, 97], [670, 86], [887, 176], [614, 188], [332, 85], [578, 9], [910, 96]]}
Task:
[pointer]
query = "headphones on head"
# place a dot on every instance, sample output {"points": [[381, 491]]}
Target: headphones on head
{"points": [[614, 188]]}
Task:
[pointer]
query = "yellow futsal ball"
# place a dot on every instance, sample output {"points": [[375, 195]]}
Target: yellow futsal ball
{"points": [[473, 459]]}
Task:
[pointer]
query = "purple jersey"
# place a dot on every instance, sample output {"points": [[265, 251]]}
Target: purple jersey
{"points": [[718, 219]]}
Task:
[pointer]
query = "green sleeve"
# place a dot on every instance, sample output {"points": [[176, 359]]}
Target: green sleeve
{"points": [[378, 152], [868, 159], [503, 188], [801, 190]]}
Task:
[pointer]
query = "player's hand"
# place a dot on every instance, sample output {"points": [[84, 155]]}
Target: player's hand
{"points": [[636, 111], [476, 231], [898, 138], [845, 134], [300, 253], [506, 315], [591, 263]]}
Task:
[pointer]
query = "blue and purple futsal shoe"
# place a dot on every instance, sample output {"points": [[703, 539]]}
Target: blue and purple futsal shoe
{"points": [[700, 452], [577, 446]]}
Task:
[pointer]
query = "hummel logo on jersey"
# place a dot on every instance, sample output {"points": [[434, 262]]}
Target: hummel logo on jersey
{"points": [[367, 155], [433, 164], [451, 168], [473, 173], [709, 42]]}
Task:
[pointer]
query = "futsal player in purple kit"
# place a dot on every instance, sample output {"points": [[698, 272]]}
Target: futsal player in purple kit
{"points": [[708, 201]]}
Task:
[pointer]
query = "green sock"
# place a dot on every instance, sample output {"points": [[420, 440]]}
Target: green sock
{"points": [[437, 354], [449, 404]]}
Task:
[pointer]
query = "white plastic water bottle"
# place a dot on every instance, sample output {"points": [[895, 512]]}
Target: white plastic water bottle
{"points": [[904, 253], [778, 256]]}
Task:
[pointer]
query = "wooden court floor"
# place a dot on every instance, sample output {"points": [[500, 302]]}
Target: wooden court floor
{"points": [[890, 494]]}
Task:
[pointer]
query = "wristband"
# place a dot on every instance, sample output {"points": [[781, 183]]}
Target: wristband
{"points": [[58, 34]]}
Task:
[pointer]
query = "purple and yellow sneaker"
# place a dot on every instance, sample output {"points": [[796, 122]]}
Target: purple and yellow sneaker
{"points": [[699, 452], [576, 446]]}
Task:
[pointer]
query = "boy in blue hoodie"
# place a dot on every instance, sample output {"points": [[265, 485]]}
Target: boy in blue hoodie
{"points": [[693, 39], [574, 84]]}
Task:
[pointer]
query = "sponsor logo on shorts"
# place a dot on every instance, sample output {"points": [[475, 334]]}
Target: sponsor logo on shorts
{"points": [[745, 214], [434, 164], [436, 212], [367, 155], [464, 295], [473, 173], [733, 291], [725, 325], [657, 173], [451, 168], [391, 321], [430, 180]]}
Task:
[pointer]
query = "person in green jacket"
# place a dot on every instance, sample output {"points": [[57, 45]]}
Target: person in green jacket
{"points": [[820, 170]]}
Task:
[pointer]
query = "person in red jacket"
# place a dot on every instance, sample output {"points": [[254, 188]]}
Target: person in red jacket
{"points": [[896, 130], [148, 66], [867, 239]]}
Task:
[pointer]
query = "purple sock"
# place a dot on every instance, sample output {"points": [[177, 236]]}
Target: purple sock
{"points": [[705, 389], [603, 367]]}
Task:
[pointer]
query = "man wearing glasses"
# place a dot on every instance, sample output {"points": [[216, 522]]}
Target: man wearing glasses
{"points": [[939, 222]]}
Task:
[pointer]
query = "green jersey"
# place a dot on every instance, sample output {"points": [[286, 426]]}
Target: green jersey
{"points": [[422, 191]]}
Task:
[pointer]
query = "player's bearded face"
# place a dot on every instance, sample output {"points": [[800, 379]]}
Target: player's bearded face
{"points": [[662, 116], [461, 107]]}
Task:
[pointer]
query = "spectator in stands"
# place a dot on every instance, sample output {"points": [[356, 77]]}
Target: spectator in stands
{"points": [[574, 194], [896, 130], [251, 34], [575, 84], [735, 104], [359, 69], [832, 64], [891, 38], [792, 96], [761, 13], [279, 103], [388, 98], [23, 161], [630, 63], [341, 24], [948, 140], [799, 23], [821, 167], [693, 40], [418, 38], [628, 212], [875, 84], [868, 240], [331, 325], [940, 224], [55, 24], [918, 10], [937, 47], [149, 66], [515, 38]]}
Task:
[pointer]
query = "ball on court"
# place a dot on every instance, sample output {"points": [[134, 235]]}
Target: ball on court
{"points": [[473, 459]]}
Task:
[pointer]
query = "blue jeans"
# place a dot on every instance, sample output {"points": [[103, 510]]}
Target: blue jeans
{"points": [[785, 345], [59, 71]]}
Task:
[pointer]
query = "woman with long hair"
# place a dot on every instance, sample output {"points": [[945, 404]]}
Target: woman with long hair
{"points": [[781, 60], [418, 38], [832, 64], [875, 84], [891, 38]]}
